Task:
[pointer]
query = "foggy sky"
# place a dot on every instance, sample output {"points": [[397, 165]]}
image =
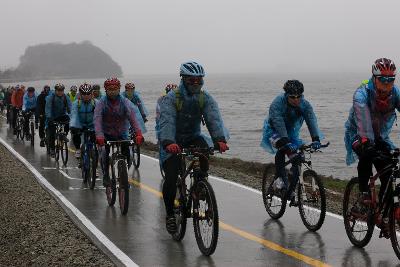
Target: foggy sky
{"points": [[226, 36]]}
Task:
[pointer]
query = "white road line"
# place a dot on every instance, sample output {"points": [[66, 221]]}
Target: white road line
{"points": [[78, 188], [121, 256], [246, 187], [67, 176]]}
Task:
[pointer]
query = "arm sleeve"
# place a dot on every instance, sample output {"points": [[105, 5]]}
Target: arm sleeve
{"points": [[276, 117], [167, 120], [75, 122], [311, 121], [98, 119], [133, 120], [213, 119], [362, 114]]}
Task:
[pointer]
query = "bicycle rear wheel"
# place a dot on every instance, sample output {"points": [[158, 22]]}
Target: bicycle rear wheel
{"points": [[274, 200], [123, 189], [358, 219], [32, 128], [64, 151], [205, 219], [312, 201], [180, 212], [395, 229], [136, 155]]}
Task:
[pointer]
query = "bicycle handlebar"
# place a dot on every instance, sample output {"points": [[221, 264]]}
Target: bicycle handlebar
{"points": [[119, 142], [201, 150]]}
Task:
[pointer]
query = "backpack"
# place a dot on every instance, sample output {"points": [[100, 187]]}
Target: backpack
{"points": [[179, 102]]}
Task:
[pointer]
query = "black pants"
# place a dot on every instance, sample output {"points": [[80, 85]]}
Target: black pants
{"points": [[14, 116], [77, 137], [42, 125], [364, 169], [171, 168], [51, 129], [27, 115]]}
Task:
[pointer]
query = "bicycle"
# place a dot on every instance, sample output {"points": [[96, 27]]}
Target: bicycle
{"points": [[119, 176], [310, 191], [89, 156], [360, 218], [31, 132], [135, 148], [196, 200], [61, 145], [19, 125]]}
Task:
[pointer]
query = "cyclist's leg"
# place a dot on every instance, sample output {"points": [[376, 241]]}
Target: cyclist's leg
{"points": [[364, 169], [106, 162], [76, 137], [125, 151], [51, 135], [379, 165], [26, 115], [14, 118], [171, 169], [42, 124]]}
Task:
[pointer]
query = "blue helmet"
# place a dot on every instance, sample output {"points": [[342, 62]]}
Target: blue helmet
{"points": [[192, 68]]}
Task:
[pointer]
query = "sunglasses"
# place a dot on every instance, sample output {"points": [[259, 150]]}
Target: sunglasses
{"points": [[194, 79], [295, 96], [386, 79]]}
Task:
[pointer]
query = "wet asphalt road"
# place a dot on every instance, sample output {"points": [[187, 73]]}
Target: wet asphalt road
{"points": [[248, 237]]}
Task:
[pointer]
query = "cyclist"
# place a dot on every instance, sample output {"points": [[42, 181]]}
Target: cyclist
{"points": [[112, 116], [72, 93], [281, 130], [82, 116], [2, 97], [181, 113], [58, 108], [41, 113], [96, 92], [29, 106], [16, 102], [369, 123], [7, 101], [168, 88], [135, 98]]}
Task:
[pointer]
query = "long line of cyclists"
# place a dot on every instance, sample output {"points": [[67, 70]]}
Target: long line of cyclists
{"points": [[183, 108]]}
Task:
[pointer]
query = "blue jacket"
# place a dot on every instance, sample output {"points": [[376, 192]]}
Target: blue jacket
{"points": [[137, 100], [286, 121], [184, 126], [29, 102], [82, 114], [366, 121], [57, 106]]}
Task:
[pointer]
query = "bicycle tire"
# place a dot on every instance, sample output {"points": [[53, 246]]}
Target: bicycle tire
{"points": [[21, 129], [311, 179], [136, 155], [394, 231], [123, 189], [111, 191], [180, 212], [93, 166], [349, 218], [84, 164], [32, 128], [205, 193], [64, 152], [57, 149], [274, 202]]}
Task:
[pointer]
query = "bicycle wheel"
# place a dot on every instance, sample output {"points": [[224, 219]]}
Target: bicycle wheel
{"points": [[358, 220], [123, 189], [274, 200], [32, 128], [57, 148], [64, 151], [312, 201], [136, 155], [21, 129], [395, 229], [92, 166], [205, 219], [180, 212], [111, 191], [84, 163]]}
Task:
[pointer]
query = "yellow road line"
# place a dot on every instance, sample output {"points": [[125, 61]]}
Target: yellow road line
{"points": [[246, 235]]}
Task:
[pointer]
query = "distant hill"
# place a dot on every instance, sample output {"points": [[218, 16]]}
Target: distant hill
{"points": [[55, 60]]}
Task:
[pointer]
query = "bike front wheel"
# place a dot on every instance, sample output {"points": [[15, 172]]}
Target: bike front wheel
{"points": [[58, 147], [64, 151], [123, 189], [32, 128], [274, 199], [205, 218], [312, 201], [92, 166], [21, 130], [358, 219], [395, 229]]}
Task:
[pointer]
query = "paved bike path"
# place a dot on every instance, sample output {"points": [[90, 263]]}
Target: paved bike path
{"points": [[248, 237]]}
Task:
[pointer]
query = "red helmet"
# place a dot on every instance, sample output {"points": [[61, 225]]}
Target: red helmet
{"points": [[112, 81], [129, 86], [384, 67]]}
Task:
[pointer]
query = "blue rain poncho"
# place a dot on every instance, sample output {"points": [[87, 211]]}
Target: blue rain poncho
{"points": [[366, 121], [138, 101], [286, 121], [57, 106], [29, 102], [183, 126], [82, 114]]}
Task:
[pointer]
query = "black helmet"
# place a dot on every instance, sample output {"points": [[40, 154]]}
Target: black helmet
{"points": [[31, 89], [59, 86], [96, 87], [293, 87]]}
